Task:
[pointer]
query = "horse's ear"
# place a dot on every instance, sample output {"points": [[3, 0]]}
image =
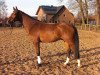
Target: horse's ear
{"points": [[16, 8], [13, 8]]}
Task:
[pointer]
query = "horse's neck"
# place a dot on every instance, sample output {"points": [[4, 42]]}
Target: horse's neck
{"points": [[28, 22]]}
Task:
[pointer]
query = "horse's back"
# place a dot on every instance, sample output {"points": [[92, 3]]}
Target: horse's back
{"points": [[53, 32], [49, 33]]}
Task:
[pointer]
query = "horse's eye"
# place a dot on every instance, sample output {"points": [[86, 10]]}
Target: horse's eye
{"points": [[14, 13]]}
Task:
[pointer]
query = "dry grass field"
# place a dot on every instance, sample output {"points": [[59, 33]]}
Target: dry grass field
{"points": [[17, 55]]}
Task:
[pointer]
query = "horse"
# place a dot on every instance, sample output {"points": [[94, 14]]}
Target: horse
{"points": [[45, 32]]}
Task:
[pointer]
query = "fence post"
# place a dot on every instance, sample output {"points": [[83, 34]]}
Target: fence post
{"points": [[96, 27], [89, 27], [81, 26], [85, 26]]}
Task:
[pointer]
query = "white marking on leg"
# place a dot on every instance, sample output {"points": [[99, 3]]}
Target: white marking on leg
{"points": [[78, 61], [39, 59], [66, 61]]}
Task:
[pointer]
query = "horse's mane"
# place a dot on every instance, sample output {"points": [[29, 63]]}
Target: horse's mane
{"points": [[27, 15]]}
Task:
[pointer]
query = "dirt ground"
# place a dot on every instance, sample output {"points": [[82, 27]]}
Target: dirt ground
{"points": [[17, 55]]}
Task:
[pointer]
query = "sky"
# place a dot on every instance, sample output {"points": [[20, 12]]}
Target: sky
{"points": [[28, 6]]}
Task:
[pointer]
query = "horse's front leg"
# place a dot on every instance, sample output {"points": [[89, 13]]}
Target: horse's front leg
{"points": [[37, 49], [68, 56]]}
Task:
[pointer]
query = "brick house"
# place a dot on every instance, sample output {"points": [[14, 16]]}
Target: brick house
{"points": [[54, 14], [3, 22]]}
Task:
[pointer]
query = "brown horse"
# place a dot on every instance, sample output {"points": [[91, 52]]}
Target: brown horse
{"points": [[44, 32]]}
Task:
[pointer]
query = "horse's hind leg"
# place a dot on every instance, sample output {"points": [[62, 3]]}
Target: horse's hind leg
{"points": [[74, 49]]}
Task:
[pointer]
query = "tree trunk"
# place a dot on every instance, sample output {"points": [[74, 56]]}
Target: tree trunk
{"points": [[97, 12], [86, 11], [82, 12]]}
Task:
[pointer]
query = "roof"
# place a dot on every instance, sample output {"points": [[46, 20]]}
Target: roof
{"points": [[49, 9], [60, 10]]}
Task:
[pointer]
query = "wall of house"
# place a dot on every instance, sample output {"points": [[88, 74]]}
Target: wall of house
{"points": [[44, 15], [49, 18], [66, 16], [41, 15]]}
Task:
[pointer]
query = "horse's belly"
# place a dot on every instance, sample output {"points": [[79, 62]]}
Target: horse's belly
{"points": [[49, 37]]}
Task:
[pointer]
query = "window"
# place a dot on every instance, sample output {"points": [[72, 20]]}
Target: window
{"points": [[55, 21]]}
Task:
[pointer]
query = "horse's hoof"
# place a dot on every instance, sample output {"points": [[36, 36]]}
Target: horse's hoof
{"points": [[80, 66], [38, 66], [66, 64]]}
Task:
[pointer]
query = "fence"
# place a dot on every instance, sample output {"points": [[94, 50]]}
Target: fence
{"points": [[88, 27]]}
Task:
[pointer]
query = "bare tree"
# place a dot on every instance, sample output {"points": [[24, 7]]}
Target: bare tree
{"points": [[98, 12], [91, 6], [76, 4], [82, 10], [3, 9], [82, 6], [86, 11]]}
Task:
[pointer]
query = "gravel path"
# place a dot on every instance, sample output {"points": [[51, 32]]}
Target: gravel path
{"points": [[17, 55]]}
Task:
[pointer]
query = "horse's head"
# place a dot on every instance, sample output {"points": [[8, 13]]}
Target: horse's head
{"points": [[14, 16]]}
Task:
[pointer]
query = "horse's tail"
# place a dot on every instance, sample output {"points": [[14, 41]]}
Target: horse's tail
{"points": [[76, 41]]}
